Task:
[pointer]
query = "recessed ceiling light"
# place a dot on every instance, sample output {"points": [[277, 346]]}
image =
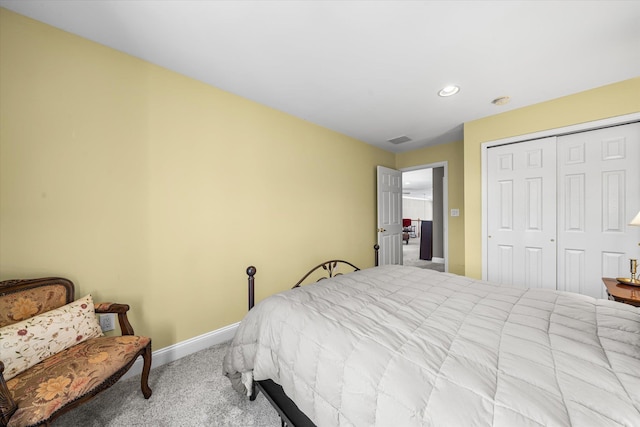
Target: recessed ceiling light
{"points": [[449, 90]]}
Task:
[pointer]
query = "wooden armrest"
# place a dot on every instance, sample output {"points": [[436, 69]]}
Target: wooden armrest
{"points": [[120, 310], [7, 405], [111, 307]]}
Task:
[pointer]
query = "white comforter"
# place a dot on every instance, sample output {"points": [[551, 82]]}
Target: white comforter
{"points": [[402, 346]]}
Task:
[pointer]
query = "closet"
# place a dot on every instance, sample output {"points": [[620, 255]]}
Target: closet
{"points": [[558, 208]]}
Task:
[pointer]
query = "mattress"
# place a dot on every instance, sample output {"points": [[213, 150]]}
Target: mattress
{"points": [[403, 346]]}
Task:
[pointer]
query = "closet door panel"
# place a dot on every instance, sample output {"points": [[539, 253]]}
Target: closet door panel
{"points": [[504, 270], [574, 203], [600, 195], [572, 272], [533, 209], [613, 194], [521, 221], [534, 268], [613, 263]]}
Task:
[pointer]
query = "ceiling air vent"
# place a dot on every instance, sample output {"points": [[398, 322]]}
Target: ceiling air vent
{"points": [[400, 139]]}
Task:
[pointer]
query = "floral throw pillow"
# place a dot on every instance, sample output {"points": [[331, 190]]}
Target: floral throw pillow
{"points": [[30, 341]]}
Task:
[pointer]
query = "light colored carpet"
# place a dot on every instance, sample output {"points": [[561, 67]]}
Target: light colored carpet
{"points": [[411, 256], [188, 392]]}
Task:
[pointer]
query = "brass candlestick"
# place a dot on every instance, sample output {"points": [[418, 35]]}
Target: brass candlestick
{"points": [[635, 279]]}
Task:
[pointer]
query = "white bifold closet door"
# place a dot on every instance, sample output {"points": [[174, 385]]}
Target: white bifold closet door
{"points": [[521, 224], [558, 210], [599, 194]]}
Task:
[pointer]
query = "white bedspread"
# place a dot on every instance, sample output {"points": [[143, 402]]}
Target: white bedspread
{"points": [[402, 346]]}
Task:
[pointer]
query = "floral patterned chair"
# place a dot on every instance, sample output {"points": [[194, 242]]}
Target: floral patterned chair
{"points": [[53, 355]]}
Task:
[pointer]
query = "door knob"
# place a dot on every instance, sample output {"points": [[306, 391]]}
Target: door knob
{"points": [[381, 230]]}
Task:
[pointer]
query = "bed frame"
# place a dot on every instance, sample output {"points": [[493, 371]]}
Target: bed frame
{"points": [[290, 414]]}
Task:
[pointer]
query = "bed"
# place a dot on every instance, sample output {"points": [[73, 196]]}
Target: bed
{"points": [[403, 346]]}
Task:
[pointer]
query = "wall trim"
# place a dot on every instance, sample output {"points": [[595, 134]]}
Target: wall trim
{"points": [[179, 350], [566, 130]]}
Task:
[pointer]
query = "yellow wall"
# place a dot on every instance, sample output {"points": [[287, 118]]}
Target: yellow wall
{"points": [[146, 187], [608, 101], [452, 153]]}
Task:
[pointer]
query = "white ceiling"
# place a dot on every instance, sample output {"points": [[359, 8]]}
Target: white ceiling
{"points": [[418, 184], [371, 69]]}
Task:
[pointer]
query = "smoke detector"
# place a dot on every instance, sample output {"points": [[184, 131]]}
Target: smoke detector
{"points": [[502, 100]]}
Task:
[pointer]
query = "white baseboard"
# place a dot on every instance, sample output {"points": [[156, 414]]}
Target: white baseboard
{"points": [[437, 260], [184, 348]]}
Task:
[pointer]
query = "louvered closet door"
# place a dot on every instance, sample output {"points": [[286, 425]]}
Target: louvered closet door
{"points": [[521, 222], [599, 193]]}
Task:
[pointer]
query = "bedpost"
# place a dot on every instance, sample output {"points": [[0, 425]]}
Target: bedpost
{"points": [[251, 271], [376, 247]]}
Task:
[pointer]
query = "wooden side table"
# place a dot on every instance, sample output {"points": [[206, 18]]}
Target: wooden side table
{"points": [[622, 293]]}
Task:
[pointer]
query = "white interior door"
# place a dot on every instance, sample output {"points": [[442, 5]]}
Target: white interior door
{"points": [[521, 215], [389, 216], [599, 186]]}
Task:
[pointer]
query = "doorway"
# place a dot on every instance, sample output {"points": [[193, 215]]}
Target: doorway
{"points": [[424, 207]]}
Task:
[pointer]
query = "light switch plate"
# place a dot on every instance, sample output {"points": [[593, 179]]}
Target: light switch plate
{"points": [[455, 212]]}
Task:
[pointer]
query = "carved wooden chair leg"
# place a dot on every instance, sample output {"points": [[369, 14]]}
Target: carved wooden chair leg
{"points": [[7, 405], [144, 381]]}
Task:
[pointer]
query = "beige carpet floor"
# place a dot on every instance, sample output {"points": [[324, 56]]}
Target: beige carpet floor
{"points": [[411, 256], [189, 392]]}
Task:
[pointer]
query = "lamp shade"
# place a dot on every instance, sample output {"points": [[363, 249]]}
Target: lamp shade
{"points": [[635, 220]]}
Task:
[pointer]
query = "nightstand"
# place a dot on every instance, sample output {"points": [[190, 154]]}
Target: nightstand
{"points": [[622, 293]]}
